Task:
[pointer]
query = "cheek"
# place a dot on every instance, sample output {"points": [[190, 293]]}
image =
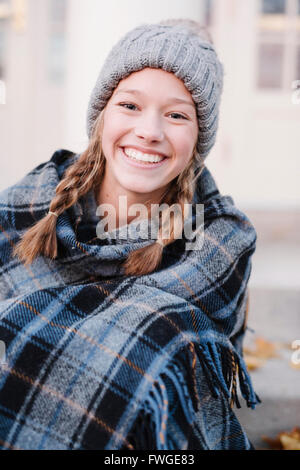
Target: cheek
{"points": [[113, 130], [114, 122], [184, 143], [183, 162]]}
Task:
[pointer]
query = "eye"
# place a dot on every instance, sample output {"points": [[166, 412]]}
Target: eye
{"points": [[177, 114], [129, 106]]}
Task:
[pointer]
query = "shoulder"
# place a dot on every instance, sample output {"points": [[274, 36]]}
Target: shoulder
{"points": [[224, 233], [27, 200], [52, 168], [60, 160]]}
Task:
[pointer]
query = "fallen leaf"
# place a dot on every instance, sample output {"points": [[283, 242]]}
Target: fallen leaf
{"points": [[290, 443], [286, 440], [294, 365], [253, 362], [274, 444], [286, 345], [263, 349]]}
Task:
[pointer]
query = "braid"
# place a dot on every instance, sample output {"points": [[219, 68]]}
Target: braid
{"points": [[41, 238]]}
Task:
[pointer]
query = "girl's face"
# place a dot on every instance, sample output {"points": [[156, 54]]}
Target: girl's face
{"points": [[151, 115]]}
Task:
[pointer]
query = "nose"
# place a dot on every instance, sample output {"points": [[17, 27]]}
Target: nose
{"points": [[150, 129]]}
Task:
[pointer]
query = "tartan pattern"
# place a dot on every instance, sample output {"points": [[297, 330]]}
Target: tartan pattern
{"points": [[99, 360]]}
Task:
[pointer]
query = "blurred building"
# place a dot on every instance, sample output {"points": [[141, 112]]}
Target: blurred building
{"points": [[51, 52], [258, 147], [32, 66]]}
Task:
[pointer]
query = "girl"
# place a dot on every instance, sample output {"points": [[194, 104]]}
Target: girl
{"points": [[117, 338]]}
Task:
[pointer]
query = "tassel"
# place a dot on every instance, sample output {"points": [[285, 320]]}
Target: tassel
{"points": [[234, 368], [210, 358], [221, 366], [206, 359], [247, 391], [208, 375], [216, 357], [178, 381], [187, 362], [193, 384]]}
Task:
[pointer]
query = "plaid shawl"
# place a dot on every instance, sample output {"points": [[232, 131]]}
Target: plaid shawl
{"points": [[98, 360]]}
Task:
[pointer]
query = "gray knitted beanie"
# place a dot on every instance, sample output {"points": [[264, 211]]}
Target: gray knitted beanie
{"points": [[174, 46]]}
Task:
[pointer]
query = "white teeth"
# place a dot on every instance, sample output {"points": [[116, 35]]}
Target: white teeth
{"points": [[144, 157]]}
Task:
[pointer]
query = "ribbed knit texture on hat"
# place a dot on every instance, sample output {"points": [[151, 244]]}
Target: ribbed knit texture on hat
{"points": [[173, 48]]}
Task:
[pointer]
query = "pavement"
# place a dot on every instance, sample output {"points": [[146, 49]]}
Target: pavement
{"points": [[274, 314]]}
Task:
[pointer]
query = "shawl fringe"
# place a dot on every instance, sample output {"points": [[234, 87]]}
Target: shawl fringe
{"points": [[222, 367]]}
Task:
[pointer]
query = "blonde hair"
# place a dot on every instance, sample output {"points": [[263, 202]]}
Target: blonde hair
{"points": [[87, 172]]}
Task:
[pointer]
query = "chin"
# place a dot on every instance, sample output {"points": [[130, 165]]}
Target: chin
{"points": [[140, 187], [141, 190]]}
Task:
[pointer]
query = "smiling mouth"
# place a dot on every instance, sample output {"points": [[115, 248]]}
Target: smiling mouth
{"points": [[142, 159], [143, 156]]}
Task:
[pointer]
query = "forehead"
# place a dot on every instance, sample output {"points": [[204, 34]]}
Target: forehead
{"points": [[154, 78]]}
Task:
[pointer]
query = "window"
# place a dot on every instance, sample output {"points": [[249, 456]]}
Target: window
{"points": [[58, 11], [2, 92], [208, 12], [273, 6], [57, 40], [270, 65], [278, 44], [2, 51], [297, 73], [4, 18]]}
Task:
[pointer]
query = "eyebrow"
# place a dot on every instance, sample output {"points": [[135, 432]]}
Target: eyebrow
{"points": [[172, 99]]}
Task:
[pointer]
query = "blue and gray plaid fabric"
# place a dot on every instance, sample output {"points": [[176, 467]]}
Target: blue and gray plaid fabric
{"points": [[98, 360]]}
